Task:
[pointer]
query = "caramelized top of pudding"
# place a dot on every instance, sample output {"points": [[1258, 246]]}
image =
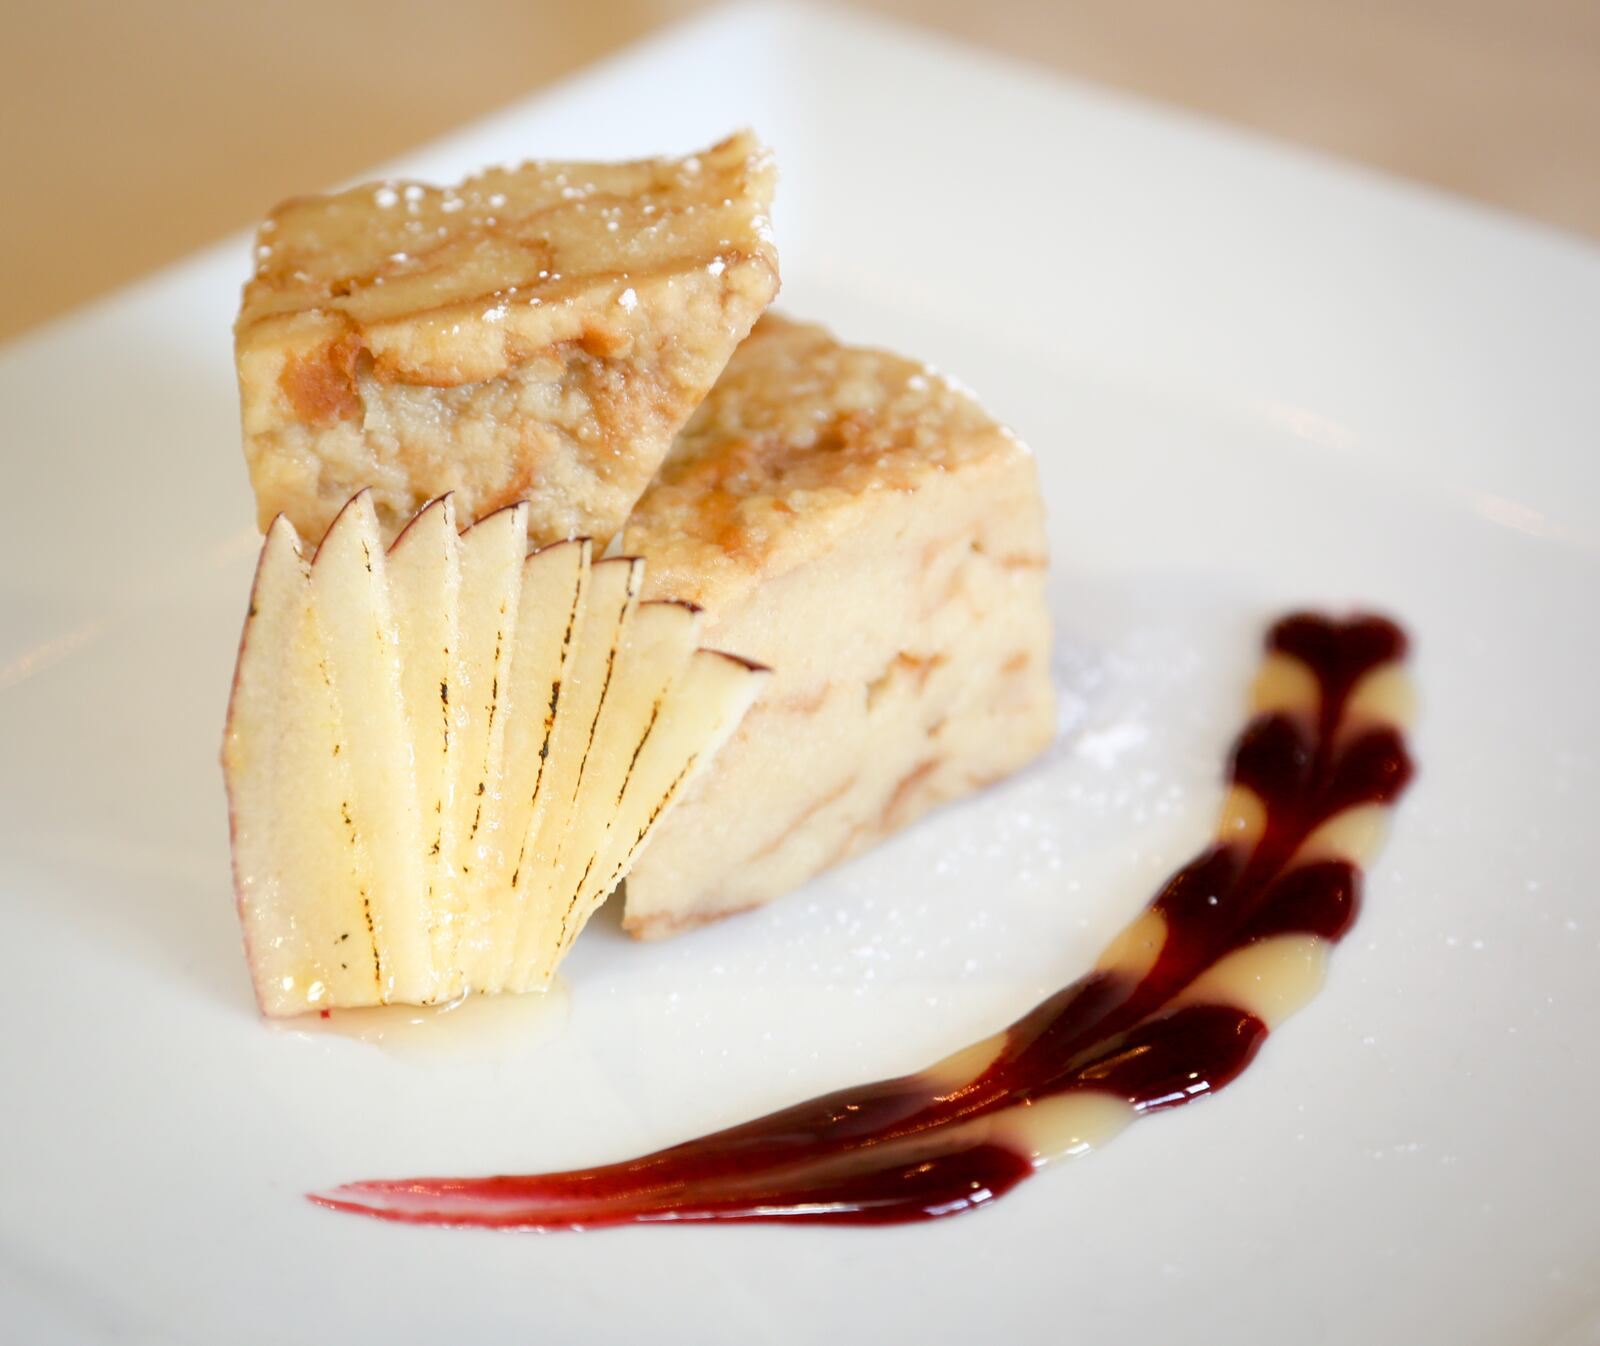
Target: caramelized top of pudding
{"points": [[795, 443], [452, 285]]}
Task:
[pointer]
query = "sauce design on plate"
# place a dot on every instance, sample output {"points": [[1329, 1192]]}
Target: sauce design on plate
{"points": [[1176, 1008]]}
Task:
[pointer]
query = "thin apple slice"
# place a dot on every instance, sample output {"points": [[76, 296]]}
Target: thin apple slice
{"points": [[425, 587], [698, 715], [555, 583], [613, 593], [350, 591], [654, 649], [299, 874], [549, 618], [492, 552], [327, 865], [706, 705]]}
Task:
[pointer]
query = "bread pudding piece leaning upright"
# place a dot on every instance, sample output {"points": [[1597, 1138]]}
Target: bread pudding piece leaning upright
{"points": [[538, 333], [856, 522]]}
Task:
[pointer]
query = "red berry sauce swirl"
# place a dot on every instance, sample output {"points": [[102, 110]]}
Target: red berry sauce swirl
{"points": [[1178, 1006]]}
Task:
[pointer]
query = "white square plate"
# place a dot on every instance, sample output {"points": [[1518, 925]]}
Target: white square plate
{"points": [[1253, 380]]}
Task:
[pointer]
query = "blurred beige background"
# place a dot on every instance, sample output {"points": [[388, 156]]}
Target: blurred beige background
{"points": [[135, 130]]}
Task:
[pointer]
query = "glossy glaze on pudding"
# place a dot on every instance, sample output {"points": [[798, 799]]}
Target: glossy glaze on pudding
{"points": [[534, 334]]}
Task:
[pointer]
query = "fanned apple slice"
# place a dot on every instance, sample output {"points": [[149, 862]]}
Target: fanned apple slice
{"points": [[492, 551], [613, 593], [299, 877], [549, 617], [425, 586], [441, 760], [349, 587], [706, 705], [654, 647], [698, 715], [555, 582]]}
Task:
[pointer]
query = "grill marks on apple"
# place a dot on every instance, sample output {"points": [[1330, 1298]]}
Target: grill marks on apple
{"points": [[441, 759]]}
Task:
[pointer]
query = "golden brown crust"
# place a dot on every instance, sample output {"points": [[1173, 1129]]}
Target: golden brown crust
{"points": [[802, 425], [539, 332], [414, 270]]}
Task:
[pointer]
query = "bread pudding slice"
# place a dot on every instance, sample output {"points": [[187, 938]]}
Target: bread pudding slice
{"points": [[861, 525], [537, 333]]}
